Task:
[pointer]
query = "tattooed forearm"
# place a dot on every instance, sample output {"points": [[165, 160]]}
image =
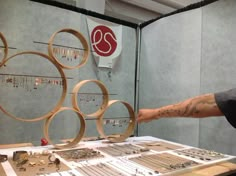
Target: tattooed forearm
{"points": [[200, 106]]}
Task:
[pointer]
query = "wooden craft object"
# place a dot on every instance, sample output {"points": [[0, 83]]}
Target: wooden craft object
{"points": [[81, 38], [78, 137], [6, 146], [102, 108], [5, 50], [129, 129], [63, 95]]}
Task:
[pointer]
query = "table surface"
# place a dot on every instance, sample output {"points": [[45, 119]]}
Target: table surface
{"points": [[126, 163]]}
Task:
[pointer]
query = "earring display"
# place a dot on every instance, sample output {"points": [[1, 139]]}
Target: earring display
{"points": [[36, 163], [105, 99], [3, 49], [30, 82], [201, 154], [116, 122], [78, 137], [122, 150], [164, 162], [127, 132], [69, 53], [77, 155], [24, 80], [160, 146], [92, 101]]}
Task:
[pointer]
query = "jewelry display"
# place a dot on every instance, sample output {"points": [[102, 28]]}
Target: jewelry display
{"points": [[122, 150], [36, 163], [102, 87], [67, 53], [128, 131], [30, 82], [79, 154], [78, 137], [160, 146], [130, 168], [18, 155], [3, 49], [125, 159], [98, 170], [52, 158], [201, 154], [16, 84], [116, 122], [91, 100], [3, 158], [163, 163]]}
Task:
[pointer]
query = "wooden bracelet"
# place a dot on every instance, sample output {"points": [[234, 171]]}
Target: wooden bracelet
{"points": [[63, 95], [78, 137], [104, 93], [81, 38], [4, 41], [128, 131]]}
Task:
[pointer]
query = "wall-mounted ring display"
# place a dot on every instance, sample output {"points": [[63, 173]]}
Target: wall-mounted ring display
{"points": [[69, 53], [79, 135], [105, 97], [3, 49], [129, 130], [14, 81]]}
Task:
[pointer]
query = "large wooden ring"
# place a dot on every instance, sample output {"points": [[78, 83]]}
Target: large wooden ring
{"points": [[76, 140], [5, 46], [81, 39], [104, 93], [63, 95], [129, 130]]}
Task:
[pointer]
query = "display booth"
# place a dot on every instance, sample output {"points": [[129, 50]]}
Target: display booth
{"points": [[73, 80]]}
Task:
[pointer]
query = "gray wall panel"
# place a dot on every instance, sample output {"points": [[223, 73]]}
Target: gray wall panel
{"points": [[218, 70], [170, 72], [25, 22]]}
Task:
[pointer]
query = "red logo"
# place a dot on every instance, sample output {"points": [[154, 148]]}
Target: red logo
{"points": [[103, 40]]}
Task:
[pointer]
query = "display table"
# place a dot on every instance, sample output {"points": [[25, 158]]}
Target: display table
{"points": [[140, 156]]}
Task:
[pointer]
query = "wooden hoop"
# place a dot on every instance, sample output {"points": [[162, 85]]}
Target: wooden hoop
{"points": [[104, 92], [4, 41], [81, 39], [58, 105], [76, 140], [128, 131]]}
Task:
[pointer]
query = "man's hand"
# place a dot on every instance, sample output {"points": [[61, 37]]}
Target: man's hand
{"points": [[146, 115]]}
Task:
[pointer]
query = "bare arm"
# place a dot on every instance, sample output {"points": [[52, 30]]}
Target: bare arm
{"points": [[199, 107]]}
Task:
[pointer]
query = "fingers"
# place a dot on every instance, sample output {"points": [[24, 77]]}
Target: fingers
{"points": [[141, 117], [146, 115]]}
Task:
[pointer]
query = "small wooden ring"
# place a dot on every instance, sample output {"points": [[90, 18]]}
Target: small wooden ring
{"points": [[81, 39], [104, 93], [60, 102], [128, 131], [76, 140], [4, 41]]}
